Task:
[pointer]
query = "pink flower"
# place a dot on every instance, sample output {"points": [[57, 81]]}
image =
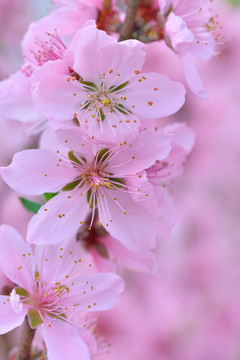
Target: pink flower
{"points": [[111, 179], [50, 290], [108, 97], [189, 31], [46, 40]]}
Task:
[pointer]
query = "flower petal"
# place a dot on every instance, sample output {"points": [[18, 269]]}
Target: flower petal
{"points": [[154, 96], [193, 79], [16, 259], [140, 261], [95, 292], [149, 147], [90, 44], [129, 222], [16, 99], [53, 93], [60, 221], [36, 171], [9, 318], [63, 341]]}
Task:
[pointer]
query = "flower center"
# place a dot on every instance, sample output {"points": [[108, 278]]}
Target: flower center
{"points": [[52, 48]]}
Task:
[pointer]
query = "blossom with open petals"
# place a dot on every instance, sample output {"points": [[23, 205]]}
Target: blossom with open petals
{"points": [[99, 83], [49, 288], [190, 29], [91, 176]]}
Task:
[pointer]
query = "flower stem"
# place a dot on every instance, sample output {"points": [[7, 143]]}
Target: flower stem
{"points": [[127, 26], [24, 347]]}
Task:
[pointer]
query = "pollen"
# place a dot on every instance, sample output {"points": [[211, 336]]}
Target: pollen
{"points": [[150, 103]]}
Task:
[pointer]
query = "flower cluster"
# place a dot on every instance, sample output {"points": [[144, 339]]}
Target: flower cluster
{"points": [[103, 162]]}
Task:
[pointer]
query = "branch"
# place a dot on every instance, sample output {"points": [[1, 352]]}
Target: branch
{"points": [[127, 26], [107, 5], [24, 347]]}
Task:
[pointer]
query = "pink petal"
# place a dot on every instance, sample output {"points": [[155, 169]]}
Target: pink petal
{"points": [[162, 206], [74, 138], [16, 259], [141, 184], [178, 32], [193, 79], [60, 221], [140, 261], [49, 141], [52, 93], [135, 229], [184, 136], [36, 171], [9, 318], [150, 146], [155, 96], [86, 48], [60, 260], [16, 99], [63, 342], [90, 44], [95, 292]]}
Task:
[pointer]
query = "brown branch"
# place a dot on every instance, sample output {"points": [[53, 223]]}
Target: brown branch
{"points": [[24, 347], [127, 26], [107, 4]]}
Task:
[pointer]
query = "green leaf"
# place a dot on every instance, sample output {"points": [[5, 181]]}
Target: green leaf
{"points": [[49, 196], [29, 205], [34, 318]]}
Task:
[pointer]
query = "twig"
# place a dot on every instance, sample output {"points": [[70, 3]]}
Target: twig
{"points": [[24, 347], [107, 4], [127, 26]]}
